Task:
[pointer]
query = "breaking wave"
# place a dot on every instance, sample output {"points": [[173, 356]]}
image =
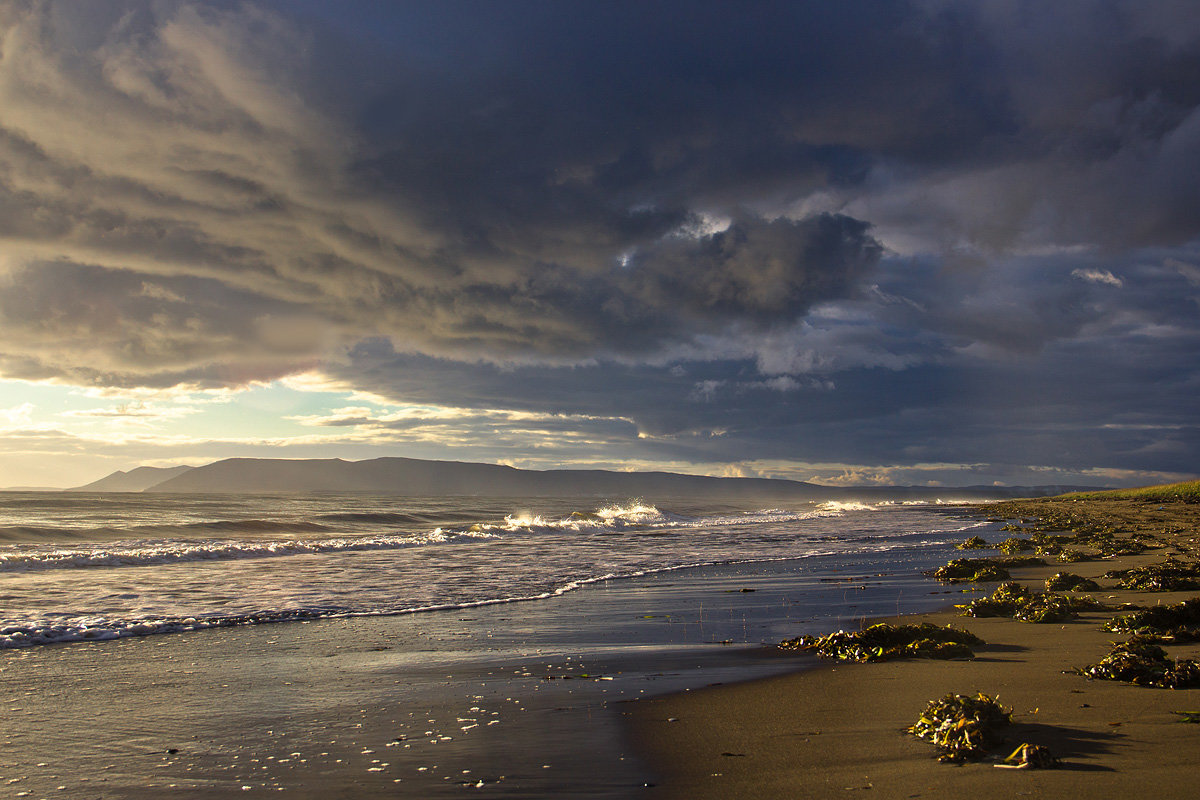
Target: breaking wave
{"points": [[167, 552], [633, 517], [640, 516]]}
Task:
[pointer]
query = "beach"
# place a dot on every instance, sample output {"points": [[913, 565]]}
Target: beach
{"points": [[662, 684], [494, 698], [839, 730]]}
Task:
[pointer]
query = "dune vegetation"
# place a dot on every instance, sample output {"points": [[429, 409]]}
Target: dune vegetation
{"points": [[1185, 492]]}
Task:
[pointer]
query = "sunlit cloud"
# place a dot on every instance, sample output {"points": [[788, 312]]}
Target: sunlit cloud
{"points": [[1097, 276], [17, 416]]}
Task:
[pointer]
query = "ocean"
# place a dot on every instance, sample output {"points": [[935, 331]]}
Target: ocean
{"points": [[411, 646], [77, 567]]}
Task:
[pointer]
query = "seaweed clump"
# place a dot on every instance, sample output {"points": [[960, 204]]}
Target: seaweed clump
{"points": [[1101, 534], [974, 543], [883, 642], [1011, 599], [1144, 663], [978, 570], [1162, 624], [963, 728], [1109, 544], [1008, 598], [1172, 575], [1070, 582], [1012, 545], [1031, 756]]}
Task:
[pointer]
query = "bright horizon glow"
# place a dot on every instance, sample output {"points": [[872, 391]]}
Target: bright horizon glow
{"points": [[57, 424]]}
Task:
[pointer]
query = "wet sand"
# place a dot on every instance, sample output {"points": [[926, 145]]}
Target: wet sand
{"points": [[838, 731]]}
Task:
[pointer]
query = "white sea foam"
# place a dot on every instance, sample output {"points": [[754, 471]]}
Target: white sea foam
{"points": [[848, 505], [639, 515], [140, 554]]}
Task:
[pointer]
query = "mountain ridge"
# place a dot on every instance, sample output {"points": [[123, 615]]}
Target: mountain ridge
{"points": [[135, 480], [411, 476]]}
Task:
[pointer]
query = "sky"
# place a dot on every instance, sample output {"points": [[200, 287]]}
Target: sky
{"points": [[923, 242]]}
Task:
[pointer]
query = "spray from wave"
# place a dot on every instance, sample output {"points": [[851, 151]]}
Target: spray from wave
{"points": [[637, 515]]}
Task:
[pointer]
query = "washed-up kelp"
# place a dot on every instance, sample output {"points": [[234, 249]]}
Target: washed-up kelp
{"points": [[1031, 756], [978, 570], [1008, 598], [963, 728], [1011, 599], [1145, 664], [974, 543], [1044, 544], [1172, 575], [883, 642], [1053, 520], [1070, 582], [1172, 624], [1050, 607], [1012, 545]]}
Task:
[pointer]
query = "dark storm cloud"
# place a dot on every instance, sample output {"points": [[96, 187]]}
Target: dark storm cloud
{"points": [[902, 376], [473, 209], [802, 230]]}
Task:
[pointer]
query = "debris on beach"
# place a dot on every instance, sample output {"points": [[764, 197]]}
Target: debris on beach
{"points": [[1144, 663], [1174, 624], [1030, 756], [883, 642], [1070, 582], [1100, 532], [979, 570], [1003, 602], [1011, 599], [963, 728], [1170, 575], [1013, 545], [974, 543]]}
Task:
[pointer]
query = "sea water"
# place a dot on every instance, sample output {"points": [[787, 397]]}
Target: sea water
{"points": [[78, 567], [370, 646]]}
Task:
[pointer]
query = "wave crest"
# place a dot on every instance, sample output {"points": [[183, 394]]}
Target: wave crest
{"points": [[168, 552]]}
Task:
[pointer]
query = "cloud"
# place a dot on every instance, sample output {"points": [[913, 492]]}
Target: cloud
{"points": [[17, 416], [856, 234], [474, 208], [1097, 276], [180, 208], [134, 411]]}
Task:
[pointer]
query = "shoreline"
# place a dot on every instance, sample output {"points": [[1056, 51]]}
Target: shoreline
{"points": [[501, 701], [839, 729]]}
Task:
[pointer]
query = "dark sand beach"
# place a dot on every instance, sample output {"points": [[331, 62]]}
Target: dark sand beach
{"points": [[838, 731]]}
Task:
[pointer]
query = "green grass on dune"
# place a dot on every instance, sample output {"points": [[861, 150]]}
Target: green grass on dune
{"points": [[1186, 492]]}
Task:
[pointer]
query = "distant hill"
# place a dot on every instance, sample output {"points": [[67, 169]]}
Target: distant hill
{"points": [[135, 480], [412, 476]]}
